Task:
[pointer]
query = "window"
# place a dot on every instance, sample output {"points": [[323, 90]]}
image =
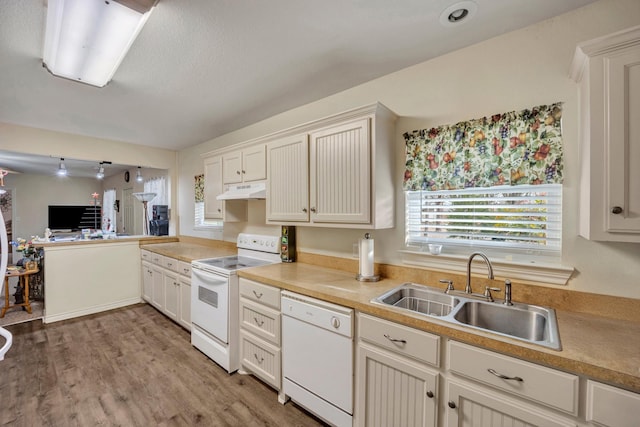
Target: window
{"points": [[199, 220], [524, 218], [109, 210]]}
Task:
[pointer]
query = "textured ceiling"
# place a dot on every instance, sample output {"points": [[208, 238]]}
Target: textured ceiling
{"points": [[203, 68]]}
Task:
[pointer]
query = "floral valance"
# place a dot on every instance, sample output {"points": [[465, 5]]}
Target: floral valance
{"points": [[199, 188], [523, 147]]}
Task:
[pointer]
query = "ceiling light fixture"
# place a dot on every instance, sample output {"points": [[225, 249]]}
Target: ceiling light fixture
{"points": [[62, 169], [86, 40], [458, 13], [100, 174], [139, 177]]}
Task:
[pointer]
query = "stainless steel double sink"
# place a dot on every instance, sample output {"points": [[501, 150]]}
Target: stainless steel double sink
{"points": [[529, 323]]}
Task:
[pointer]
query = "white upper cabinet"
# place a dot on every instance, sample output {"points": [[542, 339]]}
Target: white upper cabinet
{"points": [[288, 184], [335, 172], [246, 165], [340, 173], [213, 208], [607, 70]]}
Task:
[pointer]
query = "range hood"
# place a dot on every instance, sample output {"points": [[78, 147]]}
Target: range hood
{"points": [[257, 190]]}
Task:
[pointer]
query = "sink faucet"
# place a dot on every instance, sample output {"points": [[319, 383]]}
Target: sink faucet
{"points": [[467, 288]]}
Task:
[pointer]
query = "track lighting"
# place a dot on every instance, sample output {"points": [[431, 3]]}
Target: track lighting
{"points": [[62, 169], [100, 173], [139, 175]]}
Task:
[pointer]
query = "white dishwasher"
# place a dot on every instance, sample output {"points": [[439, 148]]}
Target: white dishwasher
{"points": [[317, 357]]}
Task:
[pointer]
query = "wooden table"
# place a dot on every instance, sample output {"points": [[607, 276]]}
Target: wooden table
{"points": [[23, 280]]}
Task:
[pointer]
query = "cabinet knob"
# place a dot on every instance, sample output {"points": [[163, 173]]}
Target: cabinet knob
{"points": [[452, 404], [238, 172], [430, 394], [243, 172], [304, 210], [616, 210], [313, 210], [219, 210]]}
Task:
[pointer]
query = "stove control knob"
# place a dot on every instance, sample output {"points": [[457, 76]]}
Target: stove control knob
{"points": [[335, 322]]}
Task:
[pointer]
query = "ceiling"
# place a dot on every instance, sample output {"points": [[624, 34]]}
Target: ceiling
{"points": [[203, 68]]}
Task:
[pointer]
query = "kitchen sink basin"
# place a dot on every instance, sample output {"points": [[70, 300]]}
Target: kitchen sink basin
{"points": [[420, 299], [527, 322]]}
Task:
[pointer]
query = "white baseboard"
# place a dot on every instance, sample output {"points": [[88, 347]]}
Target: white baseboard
{"points": [[90, 310]]}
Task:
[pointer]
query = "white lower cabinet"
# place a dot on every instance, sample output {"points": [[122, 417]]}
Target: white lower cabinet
{"points": [[260, 326], [393, 390], [612, 407], [475, 406], [166, 284], [184, 317], [394, 384], [157, 279], [171, 295], [147, 281]]}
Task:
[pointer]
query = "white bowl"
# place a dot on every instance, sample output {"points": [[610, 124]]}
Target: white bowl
{"points": [[435, 249]]}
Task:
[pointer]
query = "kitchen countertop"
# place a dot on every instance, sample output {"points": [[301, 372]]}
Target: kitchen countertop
{"points": [[601, 348], [188, 252], [606, 350], [141, 239]]}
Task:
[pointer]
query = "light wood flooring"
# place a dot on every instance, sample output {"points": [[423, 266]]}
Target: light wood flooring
{"points": [[127, 367]]}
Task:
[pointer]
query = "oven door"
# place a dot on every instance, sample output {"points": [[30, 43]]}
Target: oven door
{"points": [[210, 302]]}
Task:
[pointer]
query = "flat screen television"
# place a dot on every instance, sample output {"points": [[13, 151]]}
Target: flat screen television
{"points": [[74, 218]]}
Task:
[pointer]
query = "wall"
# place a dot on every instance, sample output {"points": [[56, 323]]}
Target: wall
{"points": [[517, 70], [32, 196]]}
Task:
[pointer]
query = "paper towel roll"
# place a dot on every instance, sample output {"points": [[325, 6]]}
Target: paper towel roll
{"points": [[366, 257]]}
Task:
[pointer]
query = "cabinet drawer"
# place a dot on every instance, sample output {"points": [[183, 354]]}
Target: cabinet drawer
{"points": [[547, 386], [157, 259], [145, 255], [261, 358], [184, 268], [170, 263], [263, 294], [260, 320], [401, 339], [611, 406]]}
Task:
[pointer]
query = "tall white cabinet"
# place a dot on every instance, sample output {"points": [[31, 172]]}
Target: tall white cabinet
{"points": [[607, 70]]}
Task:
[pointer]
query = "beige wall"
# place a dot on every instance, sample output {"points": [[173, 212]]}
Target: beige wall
{"points": [[510, 72]]}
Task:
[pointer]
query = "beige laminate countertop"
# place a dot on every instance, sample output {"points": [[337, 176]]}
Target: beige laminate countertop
{"points": [[606, 350], [81, 242], [188, 252]]}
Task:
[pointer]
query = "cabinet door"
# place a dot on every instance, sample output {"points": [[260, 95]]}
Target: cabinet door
{"points": [[394, 391], [147, 281], [288, 183], [157, 298], [184, 313], [612, 407], [232, 167], [171, 294], [213, 208], [254, 163], [340, 173], [469, 406], [622, 137]]}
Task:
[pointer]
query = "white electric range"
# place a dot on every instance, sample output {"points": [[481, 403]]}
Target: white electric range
{"points": [[215, 297]]}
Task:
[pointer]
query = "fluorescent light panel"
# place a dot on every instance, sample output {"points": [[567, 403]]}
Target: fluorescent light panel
{"points": [[86, 40]]}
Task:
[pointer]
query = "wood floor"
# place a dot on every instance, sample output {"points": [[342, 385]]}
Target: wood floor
{"points": [[127, 367]]}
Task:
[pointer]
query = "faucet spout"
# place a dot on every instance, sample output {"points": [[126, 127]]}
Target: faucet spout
{"points": [[467, 288]]}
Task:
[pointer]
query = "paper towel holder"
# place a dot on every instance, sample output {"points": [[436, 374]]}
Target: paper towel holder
{"points": [[367, 278]]}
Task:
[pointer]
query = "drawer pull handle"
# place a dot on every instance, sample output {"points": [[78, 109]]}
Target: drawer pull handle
{"points": [[387, 336], [504, 377], [259, 359], [430, 394], [258, 322], [258, 295]]}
